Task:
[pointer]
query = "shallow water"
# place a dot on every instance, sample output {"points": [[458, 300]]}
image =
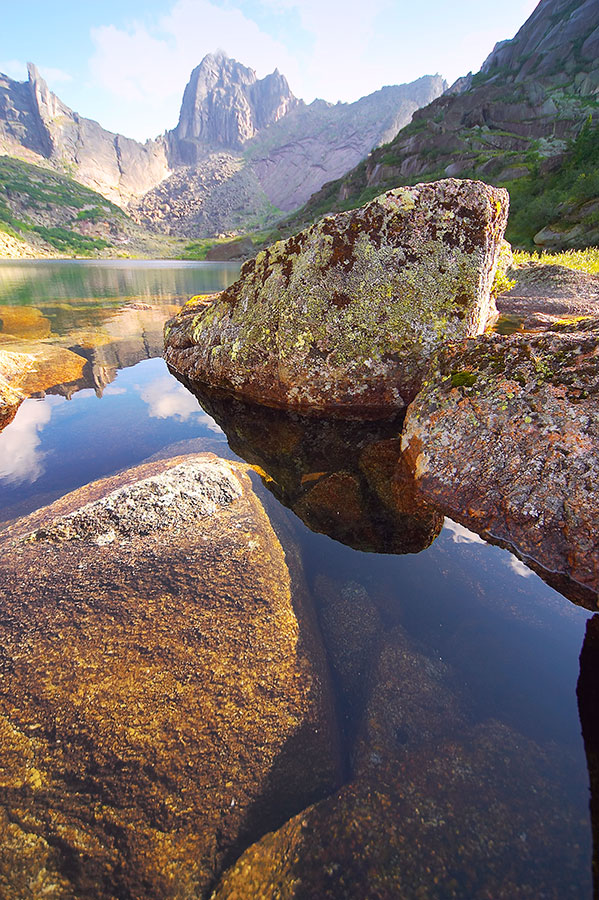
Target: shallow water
{"points": [[504, 644]]}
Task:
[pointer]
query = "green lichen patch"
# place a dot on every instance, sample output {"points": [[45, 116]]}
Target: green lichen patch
{"points": [[349, 312], [463, 379]]}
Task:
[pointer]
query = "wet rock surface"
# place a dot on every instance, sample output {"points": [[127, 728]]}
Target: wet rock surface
{"points": [[504, 437], [340, 478], [344, 317], [163, 697]]}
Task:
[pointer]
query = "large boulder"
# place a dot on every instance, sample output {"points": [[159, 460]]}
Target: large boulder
{"points": [[345, 316], [163, 693], [504, 437]]}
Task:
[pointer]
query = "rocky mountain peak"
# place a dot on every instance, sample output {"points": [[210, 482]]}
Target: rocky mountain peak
{"points": [[225, 104], [560, 37]]}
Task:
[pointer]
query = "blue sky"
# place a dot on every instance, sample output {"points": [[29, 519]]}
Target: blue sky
{"points": [[126, 62]]}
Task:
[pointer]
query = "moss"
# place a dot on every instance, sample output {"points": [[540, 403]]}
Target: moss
{"points": [[463, 379]]}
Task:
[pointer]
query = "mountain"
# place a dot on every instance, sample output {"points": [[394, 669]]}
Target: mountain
{"points": [[224, 105], [522, 122], [45, 213], [37, 126], [244, 149]]}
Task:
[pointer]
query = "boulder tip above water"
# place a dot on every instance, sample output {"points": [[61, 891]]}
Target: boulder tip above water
{"points": [[344, 317]]}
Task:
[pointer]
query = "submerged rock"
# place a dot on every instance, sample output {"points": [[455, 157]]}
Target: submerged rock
{"points": [[344, 316], [504, 437], [437, 806], [164, 698]]}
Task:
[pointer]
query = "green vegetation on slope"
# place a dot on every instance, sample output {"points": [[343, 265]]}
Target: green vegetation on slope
{"points": [[54, 214], [567, 198], [36, 202]]}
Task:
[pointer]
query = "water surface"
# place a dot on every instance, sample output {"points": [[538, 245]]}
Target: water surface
{"points": [[506, 645]]}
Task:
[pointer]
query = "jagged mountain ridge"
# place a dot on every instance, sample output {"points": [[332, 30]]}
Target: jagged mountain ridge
{"points": [[243, 150], [509, 124], [37, 126], [224, 105]]}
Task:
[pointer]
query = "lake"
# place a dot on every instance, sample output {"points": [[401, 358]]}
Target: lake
{"points": [[478, 705]]}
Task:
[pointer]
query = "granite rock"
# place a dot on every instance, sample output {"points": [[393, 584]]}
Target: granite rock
{"points": [[344, 317], [164, 698], [504, 437]]}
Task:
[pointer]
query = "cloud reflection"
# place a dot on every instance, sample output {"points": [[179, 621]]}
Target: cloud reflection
{"points": [[461, 535], [519, 568], [21, 459], [167, 399]]}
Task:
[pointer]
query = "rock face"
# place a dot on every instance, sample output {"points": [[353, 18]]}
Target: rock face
{"points": [[510, 121], [224, 105], [248, 148], [191, 711], [504, 437], [344, 316], [117, 167]]}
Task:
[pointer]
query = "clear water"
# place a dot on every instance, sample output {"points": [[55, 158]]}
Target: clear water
{"points": [[511, 643]]}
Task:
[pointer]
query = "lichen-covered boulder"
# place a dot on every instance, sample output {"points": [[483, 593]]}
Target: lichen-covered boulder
{"points": [[504, 437], [344, 316], [164, 697]]}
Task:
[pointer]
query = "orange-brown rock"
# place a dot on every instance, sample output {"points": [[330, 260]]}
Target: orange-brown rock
{"points": [[28, 368], [163, 697], [24, 322], [504, 437]]}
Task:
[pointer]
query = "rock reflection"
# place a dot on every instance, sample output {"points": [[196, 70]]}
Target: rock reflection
{"points": [[341, 478], [88, 350]]}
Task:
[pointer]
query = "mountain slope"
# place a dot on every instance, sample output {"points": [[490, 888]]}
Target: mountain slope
{"points": [[248, 150], [37, 125], [513, 124], [43, 213]]}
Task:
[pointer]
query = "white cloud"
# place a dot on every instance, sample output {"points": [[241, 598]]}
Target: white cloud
{"points": [[167, 399], [333, 49], [149, 66], [21, 459], [461, 535], [16, 69], [54, 76]]}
